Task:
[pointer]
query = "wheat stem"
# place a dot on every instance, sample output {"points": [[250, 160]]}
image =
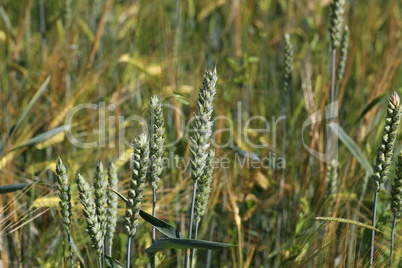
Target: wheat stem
{"points": [[384, 157]]}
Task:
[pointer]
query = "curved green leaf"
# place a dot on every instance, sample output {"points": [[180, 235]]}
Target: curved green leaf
{"points": [[162, 226], [353, 148], [44, 136], [13, 187], [370, 106], [183, 243]]}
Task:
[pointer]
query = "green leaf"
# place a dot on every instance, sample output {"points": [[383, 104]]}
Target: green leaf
{"points": [[353, 148], [180, 98], [162, 226], [233, 64], [31, 104], [370, 106], [44, 136], [13, 187], [111, 262], [183, 243], [253, 59]]}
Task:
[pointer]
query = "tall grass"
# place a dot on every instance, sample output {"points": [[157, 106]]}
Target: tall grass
{"points": [[142, 50]]}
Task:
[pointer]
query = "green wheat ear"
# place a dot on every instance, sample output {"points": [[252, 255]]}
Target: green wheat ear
{"points": [[202, 125], [336, 20], [100, 198], [385, 151], [287, 72], [156, 141], [137, 184], [94, 229], [63, 184], [343, 55], [332, 179], [111, 200], [396, 202], [396, 190]]}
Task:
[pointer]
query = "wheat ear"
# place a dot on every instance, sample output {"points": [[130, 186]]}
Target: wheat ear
{"points": [[94, 229], [137, 185], [63, 184], [396, 202], [200, 140], [111, 210]]}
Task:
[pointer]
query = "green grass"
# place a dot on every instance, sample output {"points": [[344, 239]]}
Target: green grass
{"points": [[148, 48]]}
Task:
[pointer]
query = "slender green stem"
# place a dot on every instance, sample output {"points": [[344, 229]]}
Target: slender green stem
{"points": [[153, 213], [373, 224], [152, 256], [391, 252], [333, 98], [188, 263], [128, 251], [70, 247], [192, 251]]}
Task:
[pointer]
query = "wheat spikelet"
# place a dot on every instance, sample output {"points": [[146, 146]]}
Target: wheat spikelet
{"points": [[111, 200], [202, 125], [336, 20], [156, 141], [332, 179], [100, 199], [94, 228], [396, 189], [137, 184], [287, 71], [63, 184], [343, 55], [385, 151]]}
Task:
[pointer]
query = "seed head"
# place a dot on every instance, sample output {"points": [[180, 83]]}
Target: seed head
{"points": [[385, 151], [137, 184]]}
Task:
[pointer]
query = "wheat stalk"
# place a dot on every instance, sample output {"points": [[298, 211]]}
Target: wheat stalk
{"points": [[384, 157], [285, 107], [94, 229], [200, 143], [157, 148], [137, 185], [336, 21]]}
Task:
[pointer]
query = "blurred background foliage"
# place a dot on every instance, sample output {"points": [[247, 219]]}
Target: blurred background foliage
{"points": [[121, 52]]}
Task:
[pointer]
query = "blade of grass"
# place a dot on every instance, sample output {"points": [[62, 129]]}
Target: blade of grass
{"points": [[30, 105], [13, 187], [184, 243], [353, 148], [43, 137]]}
